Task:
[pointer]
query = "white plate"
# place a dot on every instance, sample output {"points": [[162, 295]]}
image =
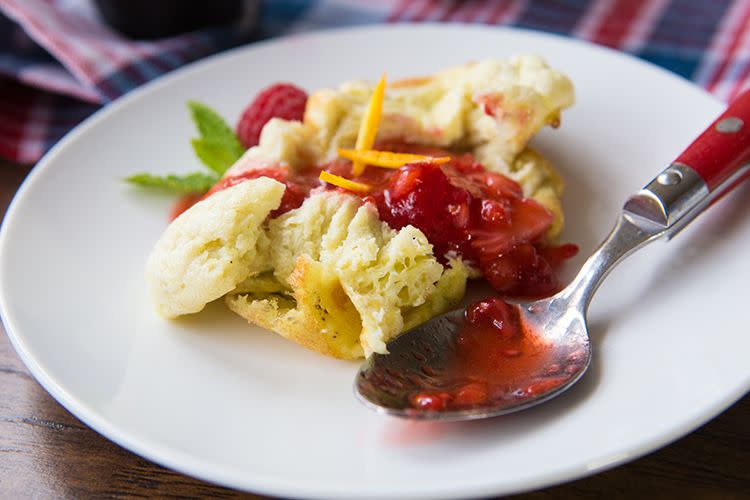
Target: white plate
{"points": [[235, 405]]}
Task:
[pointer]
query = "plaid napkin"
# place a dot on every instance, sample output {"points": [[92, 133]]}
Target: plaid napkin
{"points": [[59, 62]]}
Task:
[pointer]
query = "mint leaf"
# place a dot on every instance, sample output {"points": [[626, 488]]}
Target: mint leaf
{"points": [[219, 147], [214, 155], [191, 183]]}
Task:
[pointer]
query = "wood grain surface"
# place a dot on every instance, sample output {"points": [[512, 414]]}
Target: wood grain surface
{"points": [[45, 452]]}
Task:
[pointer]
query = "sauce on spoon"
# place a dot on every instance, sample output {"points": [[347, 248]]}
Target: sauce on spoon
{"points": [[499, 360]]}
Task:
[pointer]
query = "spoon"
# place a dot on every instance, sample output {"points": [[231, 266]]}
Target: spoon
{"points": [[419, 378]]}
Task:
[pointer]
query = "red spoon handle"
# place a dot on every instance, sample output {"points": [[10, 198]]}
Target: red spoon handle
{"points": [[724, 146]]}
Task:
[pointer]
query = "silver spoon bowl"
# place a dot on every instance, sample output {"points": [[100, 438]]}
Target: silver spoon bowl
{"points": [[387, 383]]}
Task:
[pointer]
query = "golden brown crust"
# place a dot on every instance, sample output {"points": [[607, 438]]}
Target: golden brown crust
{"points": [[319, 313]]}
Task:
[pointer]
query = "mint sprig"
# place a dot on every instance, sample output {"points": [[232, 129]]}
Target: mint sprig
{"points": [[217, 147], [197, 182], [214, 155]]}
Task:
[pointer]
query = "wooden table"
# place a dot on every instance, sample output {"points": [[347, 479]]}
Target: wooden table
{"points": [[45, 452]]}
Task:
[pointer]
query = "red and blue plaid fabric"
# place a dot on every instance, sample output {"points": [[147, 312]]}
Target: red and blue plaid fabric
{"points": [[59, 62]]}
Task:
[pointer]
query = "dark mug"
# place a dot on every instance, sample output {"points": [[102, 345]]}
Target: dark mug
{"points": [[148, 19]]}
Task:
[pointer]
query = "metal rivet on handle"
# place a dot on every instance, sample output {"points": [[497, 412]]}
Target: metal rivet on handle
{"points": [[669, 177], [729, 125]]}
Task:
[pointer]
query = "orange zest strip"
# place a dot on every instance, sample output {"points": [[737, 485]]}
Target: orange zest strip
{"points": [[388, 159], [368, 129], [341, 182]]}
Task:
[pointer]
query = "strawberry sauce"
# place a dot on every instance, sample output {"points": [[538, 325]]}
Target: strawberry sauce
{"points": [[463, 210], [498, 360], [489, 357]]}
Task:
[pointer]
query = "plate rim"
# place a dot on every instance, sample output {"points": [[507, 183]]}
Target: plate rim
{"points": [[265, 484]]}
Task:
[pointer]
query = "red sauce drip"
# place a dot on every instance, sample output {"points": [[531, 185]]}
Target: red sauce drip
{"points": [[498, 359], [463, 209], [298, 187], [184, 203], [298, 184]]}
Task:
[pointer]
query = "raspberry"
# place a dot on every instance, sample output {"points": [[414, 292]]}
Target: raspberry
{"points": [[280, 100]]}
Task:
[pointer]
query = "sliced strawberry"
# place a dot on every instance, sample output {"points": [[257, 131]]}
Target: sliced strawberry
{"points": [[405, 181], [530, 220], [501, 186], [557, 255], [494, 212], [505, 226], [465, 172], [497, 314], [521, 272], [421, 194]]}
